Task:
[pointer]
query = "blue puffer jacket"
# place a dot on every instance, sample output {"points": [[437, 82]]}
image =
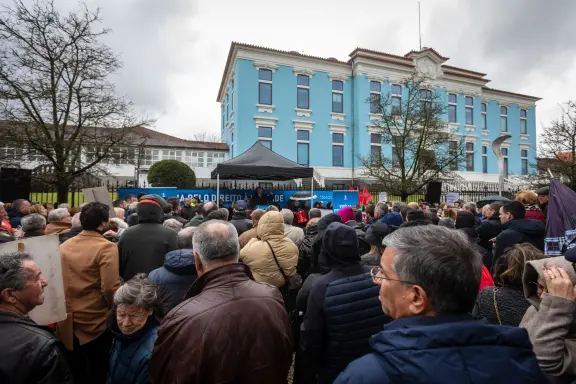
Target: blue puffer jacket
{"points": [[131, 354], [455, 349], [175, 277]]}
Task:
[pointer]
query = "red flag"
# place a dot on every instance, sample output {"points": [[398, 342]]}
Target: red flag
{"points": [[351, 188], [365, 197]]}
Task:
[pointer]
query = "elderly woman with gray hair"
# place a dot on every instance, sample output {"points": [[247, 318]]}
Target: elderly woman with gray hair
{"points": [[134, 324]]}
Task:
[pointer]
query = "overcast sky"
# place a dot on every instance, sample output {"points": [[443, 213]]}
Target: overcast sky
{"points": [[174, 51]]}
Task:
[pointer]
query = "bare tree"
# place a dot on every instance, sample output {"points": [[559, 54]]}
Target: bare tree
{"points": [[558, 144], [210, 137], [423, 148], [58, 106]]}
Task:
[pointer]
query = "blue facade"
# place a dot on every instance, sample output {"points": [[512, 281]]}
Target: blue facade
{"points": [[242, 115]]}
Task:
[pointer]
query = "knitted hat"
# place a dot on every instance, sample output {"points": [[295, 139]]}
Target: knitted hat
{"points": [[347, 214], [544, 191]]}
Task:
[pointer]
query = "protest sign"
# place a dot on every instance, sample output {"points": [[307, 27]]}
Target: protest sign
{"points": [[45, 250], [101, 195], [452, 197], [382, 197], [343, 199]]}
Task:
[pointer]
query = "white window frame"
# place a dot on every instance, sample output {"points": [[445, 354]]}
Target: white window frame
{"points": [[153, 155], [525, 120], [332, 95], [471, 107], [340, 145], [484, 158], [303, 111], [455, 106], [379, 144], [396, 95], [374, 93], [303, 142], [265, 107], [506, 159], [266, 138], [393, 146], [522, 158], [505, 116], [484, 110], [468, 152]]}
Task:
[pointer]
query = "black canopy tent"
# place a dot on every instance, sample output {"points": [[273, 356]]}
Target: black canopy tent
{"points": [[260, 163]]}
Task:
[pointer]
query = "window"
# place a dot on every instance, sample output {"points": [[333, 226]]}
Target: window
{"points": [[232, 145], [452, 108], [523, 122], [375, 147], [375, 96], [171, 155], [396, 143], [469, 110], [524, 161], [151, 156], [453, 148], [303, 92], [338, 187], [484, 159], [265, 86], [214, 158], [484, 116], [425, 95], [504, 152], [265, 136], [303, 147], [470, 157], [503, 119], [338, 149], [396, 99], [337, 96]]}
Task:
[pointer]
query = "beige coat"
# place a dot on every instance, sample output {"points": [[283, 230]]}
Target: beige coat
{"points": [[58, 228], [551, 322], [91, 277], [258, 256], [247, 236]]}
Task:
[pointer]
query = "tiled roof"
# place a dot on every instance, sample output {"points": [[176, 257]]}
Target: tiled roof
{"points": [[292, 53], [159, 139]]}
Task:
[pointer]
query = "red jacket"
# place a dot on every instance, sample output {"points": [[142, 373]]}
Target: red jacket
{"points": [[535, 215]]}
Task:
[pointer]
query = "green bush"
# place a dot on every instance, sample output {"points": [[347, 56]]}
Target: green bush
{"points": [[171, 173]]}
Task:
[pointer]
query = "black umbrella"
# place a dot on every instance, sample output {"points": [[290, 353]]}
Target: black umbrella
{"points": [[490, 200], [560, 219], [303, 195]]}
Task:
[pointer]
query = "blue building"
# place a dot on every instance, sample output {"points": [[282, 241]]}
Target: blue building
{"points": [[313, 110]]}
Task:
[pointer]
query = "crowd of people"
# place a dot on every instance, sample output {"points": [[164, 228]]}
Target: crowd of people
{"points": [[385, 293]]}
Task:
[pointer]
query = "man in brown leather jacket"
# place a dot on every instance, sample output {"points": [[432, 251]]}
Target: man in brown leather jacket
{"points": [[229, 329]]}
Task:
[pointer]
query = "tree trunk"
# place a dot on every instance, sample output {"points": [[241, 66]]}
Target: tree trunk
{"points": [[62, 189], [404, 197]]}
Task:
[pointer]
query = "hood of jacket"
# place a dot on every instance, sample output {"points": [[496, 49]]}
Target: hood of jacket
{"points": [[424, 349], [150, 209], [528, 227], [340, 245], [180, 261], [392, 219], [533, 273], [325, 221], [271, 226]]}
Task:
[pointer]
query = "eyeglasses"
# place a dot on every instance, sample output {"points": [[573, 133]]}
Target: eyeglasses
{"points": [[377, 274]]}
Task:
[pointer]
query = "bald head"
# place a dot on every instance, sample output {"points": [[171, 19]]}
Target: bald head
{"points": [[272, 208], [216, 241], [413, 205], [256, 216], [208, 208]]}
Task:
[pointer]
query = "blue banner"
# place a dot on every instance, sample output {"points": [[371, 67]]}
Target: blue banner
{"points": [[228, 196], [344, 199]]}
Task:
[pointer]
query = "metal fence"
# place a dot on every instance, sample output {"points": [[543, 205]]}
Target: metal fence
{"points": [[45, 193]]}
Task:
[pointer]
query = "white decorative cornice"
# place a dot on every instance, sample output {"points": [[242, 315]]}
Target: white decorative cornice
{"points": [[265, 121], [525, 146], [265, 108], [338, 128], [303, 124], [470, 128], [303, 112], [338, 116], [485, 142], [379, 79], [470, 138], [265, 65], [523, 137], [337, 76], [303, 71], [374, 128], [485, 132]]}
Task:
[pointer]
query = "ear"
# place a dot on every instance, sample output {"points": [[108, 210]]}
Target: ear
{"points": [[198, 263], [7, 296], [419, 302]]}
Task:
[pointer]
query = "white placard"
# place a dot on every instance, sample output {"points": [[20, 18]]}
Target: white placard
{"points": [[45, 250], [452, 197], [382, 197]]}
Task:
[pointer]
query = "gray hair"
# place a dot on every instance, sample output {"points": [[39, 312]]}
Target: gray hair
{"points": [[138, 291], [382, 208], [76, 223], [185, 237], [121, 223], [397, 206], [12, 274], [18, 204], [56, 214], [288, 216], [63, 206], [441, 261], [314, 213], [219, 214], [33, 222], [216, 240], [471, 207], [446, 222], [173, 224]]}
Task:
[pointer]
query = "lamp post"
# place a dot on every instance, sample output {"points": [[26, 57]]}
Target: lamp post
{"points": [[497, 148]]}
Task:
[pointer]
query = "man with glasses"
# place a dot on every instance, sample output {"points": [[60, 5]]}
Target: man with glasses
{"points": [[429, 277]]}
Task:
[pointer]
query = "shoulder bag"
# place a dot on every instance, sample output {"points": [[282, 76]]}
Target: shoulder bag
{"points": [[293, 282]]}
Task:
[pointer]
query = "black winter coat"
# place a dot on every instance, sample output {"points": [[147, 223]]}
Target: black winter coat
{"points": [[175, 278], [241, 223], [31, 353], [143, 246], [74, 231], [343, 312], [517, 232], [305, 251], [489, 229], [363, 246]]}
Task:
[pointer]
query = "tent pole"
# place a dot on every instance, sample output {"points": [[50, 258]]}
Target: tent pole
{"points": [[312, 192], [218, 190]]}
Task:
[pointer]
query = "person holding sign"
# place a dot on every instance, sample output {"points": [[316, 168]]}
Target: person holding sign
{"points": [[31, 353]]}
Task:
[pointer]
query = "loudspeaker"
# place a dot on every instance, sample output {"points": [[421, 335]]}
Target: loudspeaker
{"points": [[14, 184], [433, 192]]}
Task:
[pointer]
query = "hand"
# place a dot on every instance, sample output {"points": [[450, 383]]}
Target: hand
{"points": [[109, 233], [558, 283]]}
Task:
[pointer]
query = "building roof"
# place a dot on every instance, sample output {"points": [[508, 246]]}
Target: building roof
{"points": [[532, 98], [159, 139]]}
